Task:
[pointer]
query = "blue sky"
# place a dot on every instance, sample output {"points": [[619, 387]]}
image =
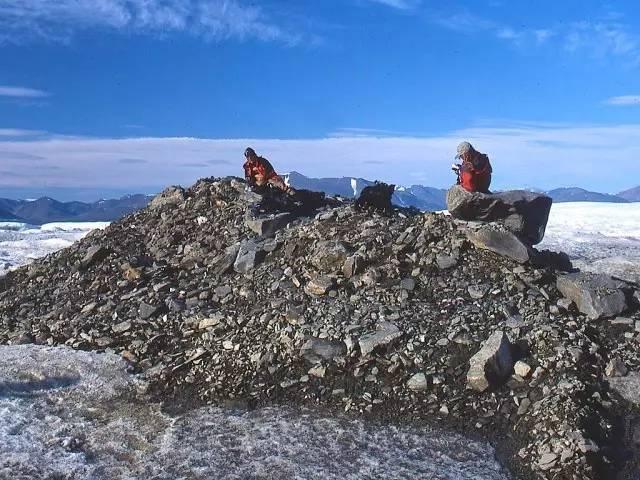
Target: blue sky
{"points": [[110, 96]]}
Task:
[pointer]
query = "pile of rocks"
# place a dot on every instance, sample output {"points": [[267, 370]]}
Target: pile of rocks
{"points": [[400, 317]]}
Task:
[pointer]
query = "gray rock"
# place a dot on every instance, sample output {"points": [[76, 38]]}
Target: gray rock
{"points": [[386, 333], [267, 226], [446, 261], [595, 295], [499, 241], [249, 255], [418, 383], [173, 195], [492, 364], [628, 387], [523, 213], [408, 284], [330, 256], [95, 255], [317, 350], [147, 311], [616, 368], [352, 266], [477, 291]]}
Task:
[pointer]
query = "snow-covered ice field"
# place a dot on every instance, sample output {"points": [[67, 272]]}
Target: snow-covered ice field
{"points": [[21, 243], [599, 237], [68, 414]]}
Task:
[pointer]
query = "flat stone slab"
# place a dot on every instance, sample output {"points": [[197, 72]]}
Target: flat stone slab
{"points": [[386, 333], [499, 241]]}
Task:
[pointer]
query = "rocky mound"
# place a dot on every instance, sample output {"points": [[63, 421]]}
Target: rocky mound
{"points": [[399, 317]]}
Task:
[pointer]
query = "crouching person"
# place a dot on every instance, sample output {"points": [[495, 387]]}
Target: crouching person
{"points": [[474, 173], [260, 174]]}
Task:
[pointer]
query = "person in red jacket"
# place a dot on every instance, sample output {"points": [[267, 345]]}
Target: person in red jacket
{"points": [[258, 172], [474, 174]]}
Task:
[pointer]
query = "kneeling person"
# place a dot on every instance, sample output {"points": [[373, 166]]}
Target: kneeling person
{"points": [[259, 173]]}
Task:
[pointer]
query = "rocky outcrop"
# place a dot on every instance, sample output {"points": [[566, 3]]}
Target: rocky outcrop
{"points": [[595, 295], [628, 387], [525, 214]]}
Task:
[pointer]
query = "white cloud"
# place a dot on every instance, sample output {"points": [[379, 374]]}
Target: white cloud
{"points": [[59, 20], [624, 100], [21, 92], [595, 157]]}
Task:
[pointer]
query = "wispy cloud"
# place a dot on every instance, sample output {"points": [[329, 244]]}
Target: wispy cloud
{"points": [[59, 20], [21, 92], [400, 4], [624, 100], [562, 154], [608, 37], [19, 132]]}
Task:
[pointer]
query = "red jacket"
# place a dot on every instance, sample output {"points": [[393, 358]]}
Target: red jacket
{"points": [[475, 175], [260, 166]]}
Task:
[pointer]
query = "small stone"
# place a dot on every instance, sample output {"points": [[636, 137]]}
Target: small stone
{"points": [[616, 368], [408, 284], [446, 262], [121, 327], [386, 333], [418, 383], [477, 291], [319, 285], [522, 369], [525, 403], [318, 371]]}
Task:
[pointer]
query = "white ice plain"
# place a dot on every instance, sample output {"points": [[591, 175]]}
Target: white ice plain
{"points": [[68, 414], [599, 237]]}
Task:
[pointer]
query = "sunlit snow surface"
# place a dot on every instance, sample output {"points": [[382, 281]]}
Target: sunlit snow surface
{"points": [[68, 414], [21, 243], [599, 237]]}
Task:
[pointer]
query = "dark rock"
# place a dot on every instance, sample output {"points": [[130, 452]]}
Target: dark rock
{"points": [[147, 311], [492, 364], [597, 296], [523, 213], [376, 197], [95, 255]]}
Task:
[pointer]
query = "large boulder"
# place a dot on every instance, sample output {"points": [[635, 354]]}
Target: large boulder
{"points": [[523, 213], [595, 295], [173, 195]]}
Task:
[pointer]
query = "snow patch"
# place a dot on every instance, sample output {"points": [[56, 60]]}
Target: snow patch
{"points": [[74, 415]]}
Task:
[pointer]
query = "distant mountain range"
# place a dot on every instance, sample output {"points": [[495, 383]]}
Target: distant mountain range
{"points": [[47, 210], [429, 198], [418, 196]]}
